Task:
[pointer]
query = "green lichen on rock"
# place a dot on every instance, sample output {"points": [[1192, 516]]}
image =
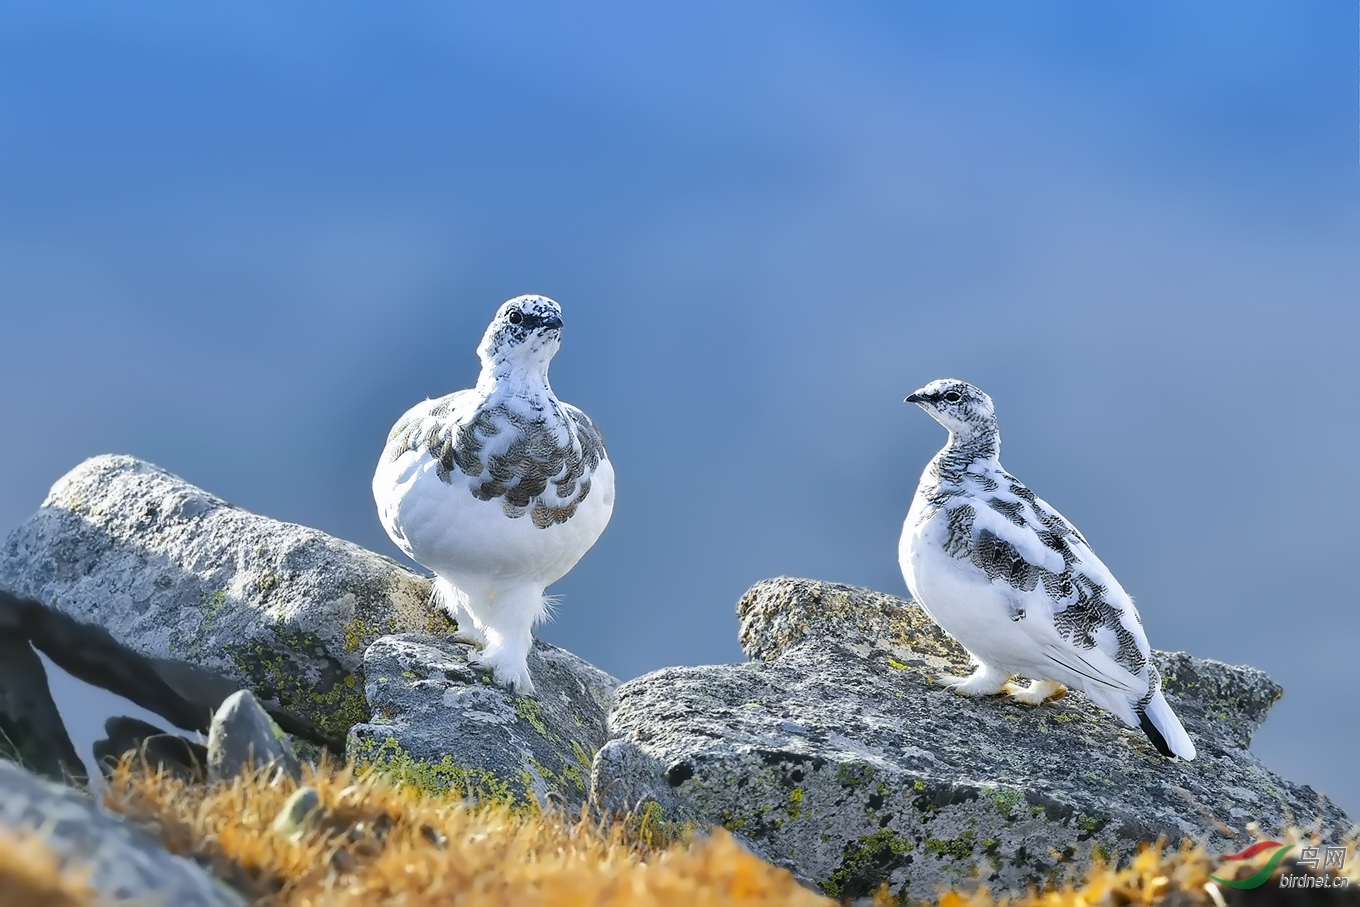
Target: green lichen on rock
{"points": [[650, 824], [527, 708], [331, 697], [440, 779], [358, 633], [1089, 824], [866, 860], [960, 848], [1005, 799], [851, 775]]}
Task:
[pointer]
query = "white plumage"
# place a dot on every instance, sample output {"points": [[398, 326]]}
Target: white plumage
{"points": [[499, 489], [1017, 585]]}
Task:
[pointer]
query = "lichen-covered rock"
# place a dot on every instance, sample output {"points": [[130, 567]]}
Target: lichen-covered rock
{"points": [[243, 738], [126, 864], [209, 590], [839, 753], [441, 724]]}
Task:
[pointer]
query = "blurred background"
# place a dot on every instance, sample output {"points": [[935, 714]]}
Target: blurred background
{"points": [[239, 241]]}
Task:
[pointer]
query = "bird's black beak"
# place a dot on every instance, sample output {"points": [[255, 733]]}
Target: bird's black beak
{"points": [[914, 398], [550, 321]]}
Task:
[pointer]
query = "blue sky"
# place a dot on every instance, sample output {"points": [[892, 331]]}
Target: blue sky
{"points": [[238, 242]]}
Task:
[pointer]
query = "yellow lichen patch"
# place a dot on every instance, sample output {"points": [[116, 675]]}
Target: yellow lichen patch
{"points": [[358, 633], [31, 874], [435, 779]]}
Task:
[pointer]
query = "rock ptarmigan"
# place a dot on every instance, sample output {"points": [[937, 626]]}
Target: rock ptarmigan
{"points": [[499, 489], [1017, 585]]}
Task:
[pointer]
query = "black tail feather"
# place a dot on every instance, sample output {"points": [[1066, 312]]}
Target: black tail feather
{"points": [[1154, 735]]}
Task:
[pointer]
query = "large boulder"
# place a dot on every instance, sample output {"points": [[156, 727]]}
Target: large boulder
{"points": [[216, 597], [442, 725], [126, 864], [838, 752]]}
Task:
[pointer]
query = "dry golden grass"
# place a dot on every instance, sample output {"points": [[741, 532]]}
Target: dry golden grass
{"points": [[1157, 876], [31, 874], [379, 844]]}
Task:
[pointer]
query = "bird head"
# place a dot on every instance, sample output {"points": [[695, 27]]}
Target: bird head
{"points": [[525, 333], [957, 405]]}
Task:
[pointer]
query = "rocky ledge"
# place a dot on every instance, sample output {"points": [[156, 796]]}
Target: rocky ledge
{"points": [[832, 753], [837, 754]]}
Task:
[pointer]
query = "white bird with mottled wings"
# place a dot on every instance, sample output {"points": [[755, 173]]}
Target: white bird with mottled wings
{"points": [[1017, 585], [499, 489]]}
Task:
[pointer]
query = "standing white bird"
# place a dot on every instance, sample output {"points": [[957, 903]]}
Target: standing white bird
{"points": [[499, 489], [1017, 585]]}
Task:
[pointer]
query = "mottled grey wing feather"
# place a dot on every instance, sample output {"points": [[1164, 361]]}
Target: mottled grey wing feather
{"points": [[592, 441], [1086, 597], [541, 463], [429, 425]]}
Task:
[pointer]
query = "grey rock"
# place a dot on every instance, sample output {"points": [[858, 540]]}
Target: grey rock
{"points": [[442, 724], [300, 815], [627, 780], [126, 863], [838, 753], [31, 730], [157, 750], [218, 598], [243, 737]]}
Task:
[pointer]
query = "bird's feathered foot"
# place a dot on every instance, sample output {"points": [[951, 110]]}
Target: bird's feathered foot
{"points": [[506, 669], [454, 602], [469, 635], [985, 681], [1037, 693], [506, 624]]}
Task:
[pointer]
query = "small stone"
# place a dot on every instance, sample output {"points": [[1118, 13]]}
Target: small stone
{"points": [[299, 815], [243, 737], [436, 838]]}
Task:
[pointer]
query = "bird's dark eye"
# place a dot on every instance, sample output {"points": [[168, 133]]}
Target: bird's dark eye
{"points": [[515, 316], [953, 397]]}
